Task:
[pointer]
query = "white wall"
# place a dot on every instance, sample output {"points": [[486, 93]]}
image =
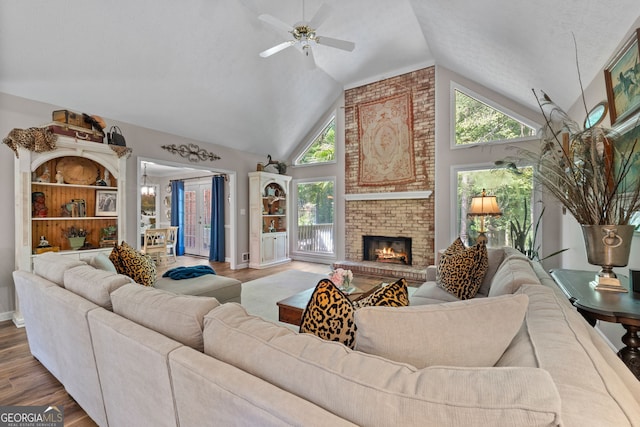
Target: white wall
{"points": [[481, 156], [21, 113], [328, 170]]}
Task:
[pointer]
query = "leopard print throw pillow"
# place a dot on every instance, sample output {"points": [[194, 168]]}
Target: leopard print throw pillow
{"points": [[330, 313], [141, 268], [393, 295], [461, 270]]}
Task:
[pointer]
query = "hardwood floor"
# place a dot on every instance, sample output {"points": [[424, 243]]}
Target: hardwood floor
{"points": [[24, 381]]}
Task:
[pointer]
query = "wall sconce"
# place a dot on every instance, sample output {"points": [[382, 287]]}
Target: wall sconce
{"points": [[484, 206]]}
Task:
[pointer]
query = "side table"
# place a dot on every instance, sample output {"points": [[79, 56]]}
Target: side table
{"points": [[616, 307]]}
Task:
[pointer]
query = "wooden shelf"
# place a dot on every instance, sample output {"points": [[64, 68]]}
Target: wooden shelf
{"points": [[72, 218], [93, 187]]}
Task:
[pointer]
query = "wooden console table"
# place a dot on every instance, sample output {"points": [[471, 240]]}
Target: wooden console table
{"points": [[616, 307]]}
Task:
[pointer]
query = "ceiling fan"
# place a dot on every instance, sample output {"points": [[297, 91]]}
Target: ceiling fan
{"points": [[304, 35]]}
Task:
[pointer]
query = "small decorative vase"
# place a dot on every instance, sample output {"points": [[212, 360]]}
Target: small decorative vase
{"points": [[76, 242], [608, 246], [346, 285]]}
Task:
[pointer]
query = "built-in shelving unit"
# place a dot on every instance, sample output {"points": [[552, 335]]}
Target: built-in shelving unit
{"points": [[48, 206], [269, 219]]}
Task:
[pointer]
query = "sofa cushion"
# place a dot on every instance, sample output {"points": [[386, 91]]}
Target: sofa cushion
{"points": [[141, 268], [329, 313], [177, 316], [52, 266], [591, 391], [514, 272], [494, 257], [431, 291], [102, 262], [94, 284], [461, 270], [369, 390], [463, 333]]}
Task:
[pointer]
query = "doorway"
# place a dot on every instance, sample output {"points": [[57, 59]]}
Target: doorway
{"points": [[197, 218], [162, 172]]}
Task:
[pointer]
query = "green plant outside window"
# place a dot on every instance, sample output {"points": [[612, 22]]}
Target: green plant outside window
{"points": [[323, 148], [477, 122]]}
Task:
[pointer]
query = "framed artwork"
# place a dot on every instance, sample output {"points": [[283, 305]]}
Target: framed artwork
{"points": [[106, 203], [385, 129], [635, 221], [621, 77], [628, 141]]}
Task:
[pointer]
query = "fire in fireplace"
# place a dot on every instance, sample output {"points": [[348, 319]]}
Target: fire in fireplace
{"points": [[395, 250]]}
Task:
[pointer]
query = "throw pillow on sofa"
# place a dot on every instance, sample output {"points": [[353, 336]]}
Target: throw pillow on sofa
{"points": [[473, 333], [393, 295], [329, 313], [461, 270], [134, 264]]}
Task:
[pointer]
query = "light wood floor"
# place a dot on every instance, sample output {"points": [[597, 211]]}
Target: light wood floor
{"points": [[24, 381]]}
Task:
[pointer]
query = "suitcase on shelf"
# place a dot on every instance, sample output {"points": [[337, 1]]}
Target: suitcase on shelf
{"points": [[75, 132], [70, 118]]}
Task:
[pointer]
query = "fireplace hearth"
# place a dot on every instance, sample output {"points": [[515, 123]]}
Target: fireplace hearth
{"points": [[385, 249]]}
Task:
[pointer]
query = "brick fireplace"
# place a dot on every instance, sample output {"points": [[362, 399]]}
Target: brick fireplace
{"points": [[390, 208]]}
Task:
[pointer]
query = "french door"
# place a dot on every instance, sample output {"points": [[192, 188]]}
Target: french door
{"points": [[197, 218]]}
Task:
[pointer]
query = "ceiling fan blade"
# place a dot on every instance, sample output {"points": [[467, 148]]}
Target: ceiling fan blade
{"points": [[338, 44], [275, 22], [276, 48], [320, 16]]}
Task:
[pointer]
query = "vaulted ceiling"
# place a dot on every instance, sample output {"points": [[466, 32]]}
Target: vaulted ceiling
{"points": [[191, 68]]}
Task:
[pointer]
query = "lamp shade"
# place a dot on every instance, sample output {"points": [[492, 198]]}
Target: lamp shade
{"points": [[484, 206]]}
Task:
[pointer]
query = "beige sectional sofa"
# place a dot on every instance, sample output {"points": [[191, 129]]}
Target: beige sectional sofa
{"points": [[149, 357]]}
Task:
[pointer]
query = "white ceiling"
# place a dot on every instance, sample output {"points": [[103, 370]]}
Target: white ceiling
{"points": [[191, 68]]}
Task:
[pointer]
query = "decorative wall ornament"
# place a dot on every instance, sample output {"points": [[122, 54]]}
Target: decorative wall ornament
{"points": [[192, 152], [385, 129]]}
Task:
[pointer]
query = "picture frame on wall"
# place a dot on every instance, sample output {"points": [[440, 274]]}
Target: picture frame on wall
{"points": [[628, 140], [622, 77], [106, 203]]}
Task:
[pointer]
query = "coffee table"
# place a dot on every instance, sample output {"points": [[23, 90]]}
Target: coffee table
{"points": [[290, 309]]}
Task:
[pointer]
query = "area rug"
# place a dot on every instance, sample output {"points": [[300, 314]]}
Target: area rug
{"points": [[259, 297]]}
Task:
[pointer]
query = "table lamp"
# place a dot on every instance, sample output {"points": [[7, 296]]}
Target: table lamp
{"points": [[483, 206]]}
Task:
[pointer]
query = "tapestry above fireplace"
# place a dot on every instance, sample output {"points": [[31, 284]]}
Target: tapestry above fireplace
{"points": [[385, 129]]}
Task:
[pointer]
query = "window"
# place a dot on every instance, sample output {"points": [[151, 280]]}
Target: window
{"points": [[514, 194], [478, 122], [315, 217], [323, 147]]}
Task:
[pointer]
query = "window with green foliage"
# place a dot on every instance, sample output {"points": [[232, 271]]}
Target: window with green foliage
{"points": [[514, 193], [477, 122], [323, 147], [315, 222]]}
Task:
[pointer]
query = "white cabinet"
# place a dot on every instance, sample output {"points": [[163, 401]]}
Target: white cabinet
{"points": [[269, 219], [90, 197], [274, 248]]}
